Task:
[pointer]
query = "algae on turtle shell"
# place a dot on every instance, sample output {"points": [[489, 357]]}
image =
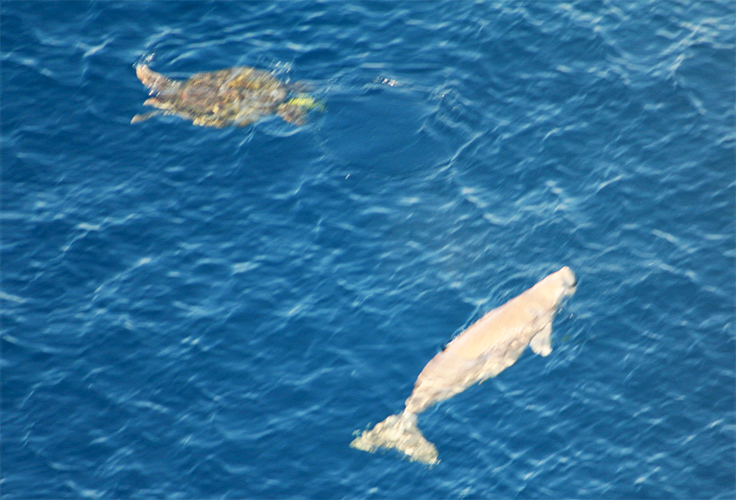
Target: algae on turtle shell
{"points": [[235, 96]]}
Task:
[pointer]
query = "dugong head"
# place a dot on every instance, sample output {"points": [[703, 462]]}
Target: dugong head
{"points": [[553, 289], [568, 279]]}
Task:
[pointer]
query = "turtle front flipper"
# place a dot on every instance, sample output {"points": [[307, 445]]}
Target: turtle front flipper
{"points": [[155, 81]]}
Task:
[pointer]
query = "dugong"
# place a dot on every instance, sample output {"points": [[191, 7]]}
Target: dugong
{"points": [[483, 350]]}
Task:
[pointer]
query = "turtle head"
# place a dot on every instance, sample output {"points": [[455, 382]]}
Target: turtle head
{"points": [[306, 101]]}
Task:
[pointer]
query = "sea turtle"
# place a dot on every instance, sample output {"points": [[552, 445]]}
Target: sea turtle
{"points": [[235, 96]]}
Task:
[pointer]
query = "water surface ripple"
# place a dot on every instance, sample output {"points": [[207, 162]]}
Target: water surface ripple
{"points": [[211, 313]]}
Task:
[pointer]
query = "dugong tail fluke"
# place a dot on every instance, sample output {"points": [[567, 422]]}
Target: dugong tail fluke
{"points": [[485, 349], [399, 432]]}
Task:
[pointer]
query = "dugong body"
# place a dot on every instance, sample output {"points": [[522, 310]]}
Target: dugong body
{"points": [[485, 349]]}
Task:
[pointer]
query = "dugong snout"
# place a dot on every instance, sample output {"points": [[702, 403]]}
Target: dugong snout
{"points": [[568, 279]]}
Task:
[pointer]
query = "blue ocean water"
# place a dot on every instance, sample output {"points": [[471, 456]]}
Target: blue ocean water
{"points": [[211, 313]]}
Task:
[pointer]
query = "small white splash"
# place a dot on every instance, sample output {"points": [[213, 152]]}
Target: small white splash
{"points": [[191, 340], [714, 423], [244, 267], [83, 492], [666, 236], [387, 81], [410, 200], [151, 405], [88, 227], [12, 298]]}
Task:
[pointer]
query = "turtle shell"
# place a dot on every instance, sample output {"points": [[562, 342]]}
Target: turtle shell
{"points": [[235, 96]]}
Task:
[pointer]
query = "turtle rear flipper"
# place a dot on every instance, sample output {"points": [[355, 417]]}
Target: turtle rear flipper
{"points": [[155, 81], [145, 116]]}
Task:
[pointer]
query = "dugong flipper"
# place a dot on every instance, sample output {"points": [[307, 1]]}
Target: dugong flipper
{"points": [[485, 349]]}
